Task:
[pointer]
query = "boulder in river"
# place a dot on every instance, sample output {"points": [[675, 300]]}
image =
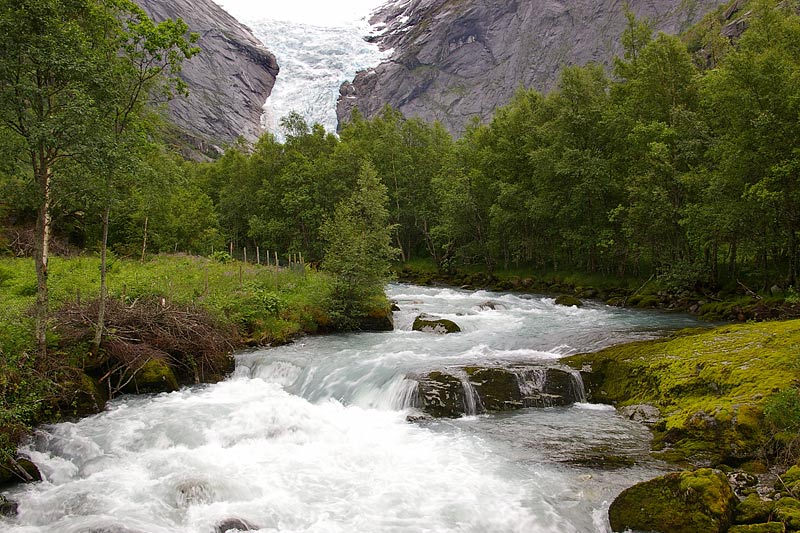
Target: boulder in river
{"points": [[474, 390], [568, 301], [699, 501], [234, 524], [7, 507], [434, 324]]}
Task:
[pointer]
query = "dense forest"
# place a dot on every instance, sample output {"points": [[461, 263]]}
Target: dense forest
{"points": [[680, 163]]}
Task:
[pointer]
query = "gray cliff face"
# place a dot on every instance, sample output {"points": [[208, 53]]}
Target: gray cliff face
{"points": [[229, 81], [454, 60]]}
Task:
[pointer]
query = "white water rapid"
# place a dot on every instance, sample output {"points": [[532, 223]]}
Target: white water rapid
{"points": [[319, 45], [314, 437]]}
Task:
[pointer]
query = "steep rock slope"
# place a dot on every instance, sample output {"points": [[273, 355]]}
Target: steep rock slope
{"points": [[229, 81], [457, 59]]}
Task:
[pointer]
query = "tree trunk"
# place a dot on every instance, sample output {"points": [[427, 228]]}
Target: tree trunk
{"points": [[101, 308], [144, 239], [42, 250]]}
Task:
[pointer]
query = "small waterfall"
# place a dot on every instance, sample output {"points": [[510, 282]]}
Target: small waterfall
{"points": [[472, 402], [578, 388]]}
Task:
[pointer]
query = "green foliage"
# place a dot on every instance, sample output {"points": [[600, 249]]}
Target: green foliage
{"points": [[221, 256], [358, 247]]}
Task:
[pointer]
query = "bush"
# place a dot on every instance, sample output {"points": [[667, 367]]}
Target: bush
{"points": [[221, 257], [782, 413]]}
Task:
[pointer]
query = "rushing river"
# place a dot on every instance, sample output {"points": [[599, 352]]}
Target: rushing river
{"points": [[314, 437]]}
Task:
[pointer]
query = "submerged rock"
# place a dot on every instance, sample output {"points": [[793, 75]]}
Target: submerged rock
{"points": [[7, 507], [683, 502], [234, 524], [434, 324], [18, 470]]}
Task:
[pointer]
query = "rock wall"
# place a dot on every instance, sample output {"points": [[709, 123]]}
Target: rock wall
{"points": [[458, 59], [229, 81]]}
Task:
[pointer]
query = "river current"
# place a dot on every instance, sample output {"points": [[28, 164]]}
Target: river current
{"points": [[315, 437]]}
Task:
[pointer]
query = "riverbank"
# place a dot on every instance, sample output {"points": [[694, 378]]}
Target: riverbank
{"points": [[738, 304], [171, 321], [726, 399]]}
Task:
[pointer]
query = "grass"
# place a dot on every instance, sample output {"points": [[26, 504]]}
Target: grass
{"points": [[258, 305], [249, 296]]}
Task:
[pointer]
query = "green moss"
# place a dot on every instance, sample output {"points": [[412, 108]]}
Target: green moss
{"points": [[432, 324], [685, 502], [568, 301], [154, 376], [771, 527], [753, 510], [787, 510], [711, 385]]}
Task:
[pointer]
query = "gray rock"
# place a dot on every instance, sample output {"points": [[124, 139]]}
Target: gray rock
{"points": [[234, 524], [229, 80], [454, 61], [476, 390], [434, 324], [643, 413]]}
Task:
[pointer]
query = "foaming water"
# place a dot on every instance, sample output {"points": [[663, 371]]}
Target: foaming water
{"points": [[314, 437]]}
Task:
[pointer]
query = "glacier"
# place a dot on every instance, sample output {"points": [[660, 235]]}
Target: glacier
{"points": [[317, 51]]}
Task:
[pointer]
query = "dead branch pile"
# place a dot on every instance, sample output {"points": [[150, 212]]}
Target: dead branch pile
{"points": [[187, 338]]}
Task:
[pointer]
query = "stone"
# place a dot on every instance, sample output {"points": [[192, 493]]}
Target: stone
{"points": [[456, 61], [643, 413], [441, 395], [699, 501], [20, 470], [154, 376], [8, 507], [433, 324], [787, 510], [476, 390], [568, 301], [229, 80], [753, 510], [234, 524]]}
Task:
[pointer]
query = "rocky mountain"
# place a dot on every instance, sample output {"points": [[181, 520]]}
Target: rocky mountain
{"points": [[453, 60], [229, 81]]}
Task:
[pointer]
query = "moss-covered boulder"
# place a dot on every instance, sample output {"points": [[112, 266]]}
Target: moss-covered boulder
{"points": [[568, 301], [768, 527], [711, 386], [154, 376], [787, 510], [18, 470], [789, 481], [753, 510], [434, 324], [378, 319], [686, 502]]}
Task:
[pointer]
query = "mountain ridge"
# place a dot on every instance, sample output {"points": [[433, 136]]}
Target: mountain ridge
{"points": [[229, 80], [453, 60]]}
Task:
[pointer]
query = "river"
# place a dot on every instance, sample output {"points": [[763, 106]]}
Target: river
{"points": [[315, 436]]}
